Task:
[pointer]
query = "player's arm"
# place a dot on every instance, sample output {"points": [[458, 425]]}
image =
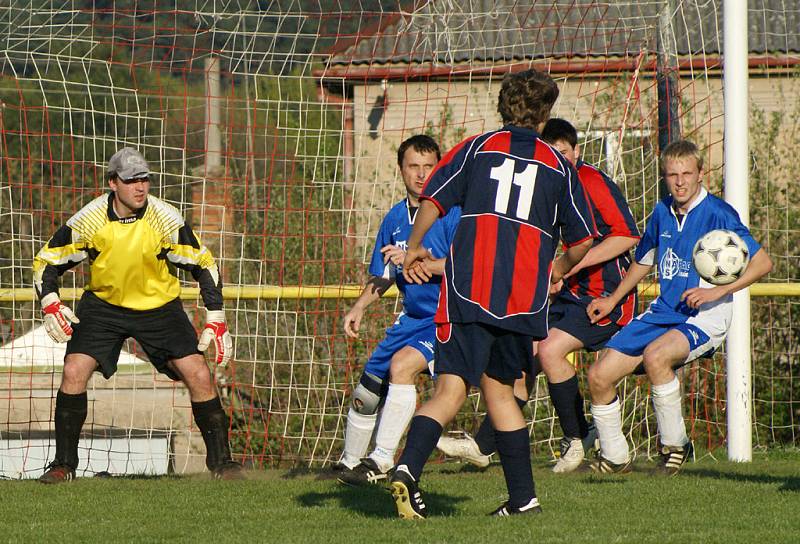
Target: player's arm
{"points": [[577, 224], [760, 265], [427, 268], [62, 252], [567, 261], [186, 252], [601, 307], [609, 248], [614, 211], [446, 187], [373, 290], [426, 216], [433, 266]]}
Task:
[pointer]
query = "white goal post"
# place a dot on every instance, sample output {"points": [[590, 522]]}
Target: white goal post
{"points": [[737, 193]]}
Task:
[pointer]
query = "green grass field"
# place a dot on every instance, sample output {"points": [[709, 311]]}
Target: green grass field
{"points": [[711, 501]]}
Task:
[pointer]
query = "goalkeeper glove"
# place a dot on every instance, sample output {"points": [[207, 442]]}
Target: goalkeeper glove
{"points": [[58, 318], [216, 330]]}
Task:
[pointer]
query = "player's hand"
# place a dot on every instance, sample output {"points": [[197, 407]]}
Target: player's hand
{"points": [[58, 319], [697, 296], [424, 270], [352, 321], [599, 308], [393, 254], [558, 272], [413, 256], [217, 331], [419, 273], [555, 289], [575, 269]]}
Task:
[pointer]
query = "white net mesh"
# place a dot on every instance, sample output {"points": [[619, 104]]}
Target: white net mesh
{"points": [[274, 126]]}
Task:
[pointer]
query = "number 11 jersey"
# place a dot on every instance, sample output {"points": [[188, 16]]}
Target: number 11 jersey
{"points": [[519, 197]]}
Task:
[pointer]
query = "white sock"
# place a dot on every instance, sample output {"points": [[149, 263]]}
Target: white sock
{"points": [[667, 402], [401, 403], [356, 437], [608, 421]]}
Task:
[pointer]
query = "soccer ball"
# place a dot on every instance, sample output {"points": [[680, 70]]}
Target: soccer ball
{"points": [[720, 257]]}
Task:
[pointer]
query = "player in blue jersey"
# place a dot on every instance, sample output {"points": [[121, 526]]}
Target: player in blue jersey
{"points": [[518, 198], [388, 382], [598, 274], [689, 318]]}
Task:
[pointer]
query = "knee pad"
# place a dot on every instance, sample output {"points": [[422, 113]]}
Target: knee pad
{"points": [[368, 395]]}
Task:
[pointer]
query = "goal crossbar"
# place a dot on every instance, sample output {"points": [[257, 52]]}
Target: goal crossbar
{"points": [[254, 292]]}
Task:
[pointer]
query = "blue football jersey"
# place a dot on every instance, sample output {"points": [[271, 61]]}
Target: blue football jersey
{"points": [[668, 245], [519, 197], [418, 300]]}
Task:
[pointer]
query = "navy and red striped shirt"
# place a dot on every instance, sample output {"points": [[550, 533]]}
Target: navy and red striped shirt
{"points": [[612, 217], [519, 197]]}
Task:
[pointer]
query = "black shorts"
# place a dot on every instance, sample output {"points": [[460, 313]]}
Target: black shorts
{"points": [[472, 349], [164, 333], [573, 320]]}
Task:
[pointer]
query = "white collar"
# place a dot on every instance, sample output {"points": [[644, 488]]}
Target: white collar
{"points": [[696, 202]]}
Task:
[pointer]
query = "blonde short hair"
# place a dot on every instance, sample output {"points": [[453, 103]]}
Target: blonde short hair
{"points": [[681, 149]]}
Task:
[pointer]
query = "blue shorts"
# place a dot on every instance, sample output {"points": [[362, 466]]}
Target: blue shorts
{"points": [[634, 337], [419, 334], [573, 320], [471, 349]]}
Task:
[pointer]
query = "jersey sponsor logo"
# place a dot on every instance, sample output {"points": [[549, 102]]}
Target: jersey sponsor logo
{"points": [[396, 231], [666, 234], [673, 266]]}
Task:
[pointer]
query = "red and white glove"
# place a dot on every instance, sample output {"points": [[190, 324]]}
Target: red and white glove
{"points": [[58, 319], [216, 330]]}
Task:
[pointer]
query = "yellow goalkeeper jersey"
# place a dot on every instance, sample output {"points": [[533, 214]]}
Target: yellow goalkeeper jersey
{"points": [[132, 260]]}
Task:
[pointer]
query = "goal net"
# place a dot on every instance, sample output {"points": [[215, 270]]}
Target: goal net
{"points": [[273, 127]]}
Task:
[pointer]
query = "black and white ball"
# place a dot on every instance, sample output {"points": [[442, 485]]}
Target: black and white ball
{"points": [[720, 257]]}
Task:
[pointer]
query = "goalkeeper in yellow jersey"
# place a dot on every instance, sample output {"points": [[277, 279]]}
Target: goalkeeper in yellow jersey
{"points": [[134, 242]]}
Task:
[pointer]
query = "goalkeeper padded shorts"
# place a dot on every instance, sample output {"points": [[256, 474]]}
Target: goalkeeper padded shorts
{"points": [[164, 333]]}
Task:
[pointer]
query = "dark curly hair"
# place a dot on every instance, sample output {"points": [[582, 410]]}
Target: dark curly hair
{"points": [[526, 98]]}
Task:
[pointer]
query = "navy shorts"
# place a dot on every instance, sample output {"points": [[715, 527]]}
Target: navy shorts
{"points": [[164, 333], [471, 349], [573, 320]]}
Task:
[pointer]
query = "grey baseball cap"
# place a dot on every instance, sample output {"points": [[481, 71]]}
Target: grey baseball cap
{"points": [[127, 163]]}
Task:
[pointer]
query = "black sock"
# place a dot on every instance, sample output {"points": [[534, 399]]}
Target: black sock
{"points": [[515, 455], [421, 440], [213, 424], [568, 403], [485, 435], [70, 416]]}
